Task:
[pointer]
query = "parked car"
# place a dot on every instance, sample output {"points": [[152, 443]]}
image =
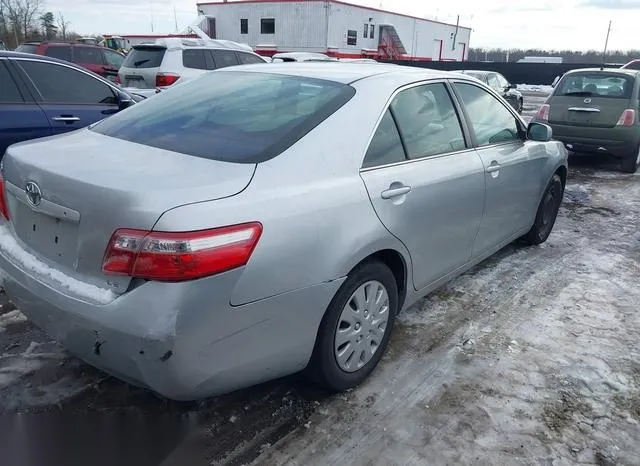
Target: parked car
{"points": [[161, 64], [500, 84], [260, 221], [100, 60], [595, 111], [300, 57], [43, 96], [632, 65]]}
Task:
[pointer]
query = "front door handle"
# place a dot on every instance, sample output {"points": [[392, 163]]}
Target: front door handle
{"points": [[66, 119], [395, 192], [493, 168]]}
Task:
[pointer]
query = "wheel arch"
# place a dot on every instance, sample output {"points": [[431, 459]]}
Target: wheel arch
{"points": [[562, 172]]}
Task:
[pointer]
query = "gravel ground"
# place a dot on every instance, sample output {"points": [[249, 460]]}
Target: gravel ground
{"points": [[529, 358]]}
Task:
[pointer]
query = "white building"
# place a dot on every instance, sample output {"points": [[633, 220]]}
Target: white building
{"points": [[333, 27]]}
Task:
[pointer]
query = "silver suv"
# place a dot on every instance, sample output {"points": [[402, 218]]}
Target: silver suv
{"points": [[158, 65]]}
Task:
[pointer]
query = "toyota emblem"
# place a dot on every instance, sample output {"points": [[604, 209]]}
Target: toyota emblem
{"points": [[34, 195], [587, 100]]}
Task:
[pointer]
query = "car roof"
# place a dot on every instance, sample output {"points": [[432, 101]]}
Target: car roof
{"points": [[345, 73], [632, 73], [482, 72]]}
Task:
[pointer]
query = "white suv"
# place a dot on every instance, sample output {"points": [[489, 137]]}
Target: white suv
{"points": [[158, 65]]}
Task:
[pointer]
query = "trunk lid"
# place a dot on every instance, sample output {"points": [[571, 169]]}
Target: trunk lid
{"points": [[85, 186], [587, 111], [591, 98], [141, 66]]}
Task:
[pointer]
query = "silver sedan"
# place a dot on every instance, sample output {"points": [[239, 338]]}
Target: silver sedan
{"points": [[254, 223]]}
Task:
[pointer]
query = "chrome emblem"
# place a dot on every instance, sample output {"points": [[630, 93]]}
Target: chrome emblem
{"points": [[34, 195], [587, 100]]}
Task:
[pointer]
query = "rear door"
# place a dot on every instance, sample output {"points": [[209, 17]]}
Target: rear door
{"points": [[591, 99], [141, 66], [20, 116], [512, 166], [425, 185], [90, 58], [70, 98]]}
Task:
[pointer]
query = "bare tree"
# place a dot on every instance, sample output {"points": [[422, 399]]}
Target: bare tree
{"points": [[21, 15], [63, 24]]}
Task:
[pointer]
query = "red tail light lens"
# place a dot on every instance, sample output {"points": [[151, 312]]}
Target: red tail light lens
{"points": [[179, 256], [543, 113], [164, 79], [4, 206], [628, 118]]}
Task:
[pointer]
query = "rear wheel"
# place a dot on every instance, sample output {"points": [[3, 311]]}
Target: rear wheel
{"points": [[355, 330], [631, 163], [547, 212]]}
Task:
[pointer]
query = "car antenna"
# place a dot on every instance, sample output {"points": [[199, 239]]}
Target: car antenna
{"points": [[606, 43]]}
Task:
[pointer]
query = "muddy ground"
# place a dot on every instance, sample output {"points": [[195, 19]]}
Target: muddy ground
{"points": [[530, 358]]}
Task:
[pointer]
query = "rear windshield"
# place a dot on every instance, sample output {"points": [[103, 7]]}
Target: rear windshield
{"points": [[595, 84], [230, 116], [27, 48], [144, 57]]}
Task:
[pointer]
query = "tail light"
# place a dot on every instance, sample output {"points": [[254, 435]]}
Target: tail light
{"points": [[543, 113], [4, 206], [628, 118], [179, 256], [166, 79]]}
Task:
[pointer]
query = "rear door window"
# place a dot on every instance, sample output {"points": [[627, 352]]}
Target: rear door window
{"points": [[248, 58], [596, 84], [144, 57], [230, 116], [58, 84], [63, 52], [194, 58], [87, 55], [428, 121], [224, 58], [9, 92]]}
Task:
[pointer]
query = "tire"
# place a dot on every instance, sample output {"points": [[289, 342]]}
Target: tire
{"points": [[631, 163], [324, 367], [547, 212]]}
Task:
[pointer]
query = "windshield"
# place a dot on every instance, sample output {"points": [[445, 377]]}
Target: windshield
{"points": [[230, 116], [596, 84]]}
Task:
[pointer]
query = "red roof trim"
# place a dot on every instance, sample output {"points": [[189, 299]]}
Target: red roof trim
{"points": [[339, 2]]}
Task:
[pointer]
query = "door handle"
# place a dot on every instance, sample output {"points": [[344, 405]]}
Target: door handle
{"points": [[493, 168], [395, 192], [66, 119]]}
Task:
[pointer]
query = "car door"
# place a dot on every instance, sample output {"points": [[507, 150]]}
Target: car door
{"points": [[20, 116], [511, 165], [425, 184], [70, 98]]}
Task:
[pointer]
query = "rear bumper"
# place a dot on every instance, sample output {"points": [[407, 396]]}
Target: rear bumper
{"points": [[182, 340], [615, 142]]}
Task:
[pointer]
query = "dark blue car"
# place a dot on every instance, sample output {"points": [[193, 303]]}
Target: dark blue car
{"points": [[41, 96]]}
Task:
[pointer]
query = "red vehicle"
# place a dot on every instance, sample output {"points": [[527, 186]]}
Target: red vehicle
{"points": [[100, 60]]}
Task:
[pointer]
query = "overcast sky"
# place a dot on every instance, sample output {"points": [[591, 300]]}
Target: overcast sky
{"points": [[556, 24]]}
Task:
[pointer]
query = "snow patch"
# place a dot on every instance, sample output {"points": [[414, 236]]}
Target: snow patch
{"points": [[535, 88], [29, 263], [11, 318]]}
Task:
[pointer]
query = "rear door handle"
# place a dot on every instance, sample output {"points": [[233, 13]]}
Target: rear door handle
{"points": [[493, 168], [66, 119], [395, 192]]}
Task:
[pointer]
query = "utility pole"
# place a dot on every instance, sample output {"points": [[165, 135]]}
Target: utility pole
{"points": [[606, 44], [175, 18]]}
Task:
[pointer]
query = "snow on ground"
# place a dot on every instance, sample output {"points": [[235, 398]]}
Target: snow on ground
{"points": [[538, 88]]}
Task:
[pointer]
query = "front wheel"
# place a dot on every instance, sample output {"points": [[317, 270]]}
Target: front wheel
{"points": [[547, 212], [355, 330], [631, 163]]}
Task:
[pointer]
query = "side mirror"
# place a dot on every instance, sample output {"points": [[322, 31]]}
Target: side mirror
{"points": [[539, 132], [124, 101]]}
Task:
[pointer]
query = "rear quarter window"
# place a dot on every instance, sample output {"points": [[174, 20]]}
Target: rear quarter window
{"points": [[230, 116], [144, 57], [595, 84]]}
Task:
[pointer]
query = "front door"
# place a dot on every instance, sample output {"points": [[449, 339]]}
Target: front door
{"points": [[511, 165], [424, 183], [70, 98]]}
